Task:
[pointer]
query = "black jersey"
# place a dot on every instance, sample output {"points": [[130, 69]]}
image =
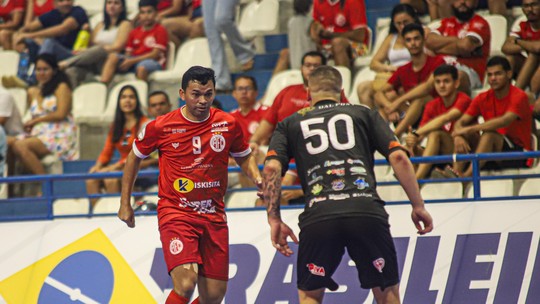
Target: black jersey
{"points": [[333, 145]]}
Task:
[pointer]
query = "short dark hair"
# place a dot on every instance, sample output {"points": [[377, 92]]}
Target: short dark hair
{"points": [[446, 69], [199, 74], [250, 78], [314, 54], [152, 3], [411, 27], [159, 92], [302, 7], [499, 60]]}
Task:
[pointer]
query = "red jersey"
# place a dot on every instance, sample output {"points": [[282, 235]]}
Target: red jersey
{"points": [[436, 108], [250, 121], [193, 162], [45, 7], [142, 42], [196, 4], [338, 19], [405, 77], [7, 8], [163, 4], [525, 31], [123, 145], [487, 105], [478, 28]]}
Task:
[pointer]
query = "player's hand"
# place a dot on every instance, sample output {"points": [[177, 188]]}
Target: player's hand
{"points": [[126, 65], [421, 215], [126, 214], [279, 232]]}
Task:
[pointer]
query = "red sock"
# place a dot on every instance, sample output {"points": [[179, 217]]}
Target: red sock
{"points": [[196, 301], [175, 298]]}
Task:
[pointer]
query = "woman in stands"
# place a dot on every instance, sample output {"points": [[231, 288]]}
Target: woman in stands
{"points": [[109, 36], [128, 120], [51, 129], [391, 55]]}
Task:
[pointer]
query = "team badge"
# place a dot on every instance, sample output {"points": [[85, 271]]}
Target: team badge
{"points": [[176, 246], [183, 185], [338, 184], [379, 264], [340, 20], [175, 145], [217, 142], [361, 184]]}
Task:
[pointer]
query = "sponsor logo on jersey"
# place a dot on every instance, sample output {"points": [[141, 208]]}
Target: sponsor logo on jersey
{"points": [[173, 131], [379, 264], [197, 164], [316, 270], [358, 171], [203, 206], [310, 170], [316, 189], [176, 246], [222, 129], [314, 179], [217, 142], [361, 183], [271, 153], [363, 194], [336, 171], [339, 197], [316, 200], [330, 163], [185, 185], [338, 184], [355, 161], [304, 111], [175, 145], [220, 124]]}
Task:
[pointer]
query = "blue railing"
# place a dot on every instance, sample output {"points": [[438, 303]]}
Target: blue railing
{"points": [[48, 196]]}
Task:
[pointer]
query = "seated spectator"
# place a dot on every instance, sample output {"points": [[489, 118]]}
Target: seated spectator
{"points": [[54, 32], [340, 29], [405, 78], [525, 40], [109, 36], [146, 48], [11, 18], [391, 55], [158, 104], [51, 129], [467, 37], [508, 120], [438, 119], [128, 120], [438, 9], [184, 26], [11, 122]]}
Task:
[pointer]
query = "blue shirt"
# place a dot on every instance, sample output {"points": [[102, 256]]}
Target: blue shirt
{"points": [[54, 18]]}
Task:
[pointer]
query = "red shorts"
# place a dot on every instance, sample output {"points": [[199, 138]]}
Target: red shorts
{"points": [[190, 240]]}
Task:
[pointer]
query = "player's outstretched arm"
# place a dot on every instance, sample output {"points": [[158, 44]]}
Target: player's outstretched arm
{"points": [[125, 213], [279, 231], [405, 174]]}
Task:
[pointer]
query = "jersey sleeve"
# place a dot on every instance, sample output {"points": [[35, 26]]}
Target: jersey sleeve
{"points": [[462, 103], [162, 39], [129, 44], [519, 104], [79, 14], [147, 140], [474, 108], [480, 30], [278, 147], [383, 138], [271, 114], [239, 147], [357, 14], [394, 80], [428, 113], [517, 30]]}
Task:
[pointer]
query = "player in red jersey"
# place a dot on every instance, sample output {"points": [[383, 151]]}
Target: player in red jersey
{"points": [[507, 115], [525, 39], [194, 144]]}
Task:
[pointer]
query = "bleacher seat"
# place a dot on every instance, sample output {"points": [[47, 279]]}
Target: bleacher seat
{"points": [[107, 205], [447, 190], [259, 18], [89, 102], [142, 91], [499, 28], [242, 199], [346, 78], [493, 188], [71, 206], [95, 19], [381, 34], [10, 63], [390, 192], [92, 7], [19, 95], [279, 82], [381, 171], [530, 187], [364, 74]]}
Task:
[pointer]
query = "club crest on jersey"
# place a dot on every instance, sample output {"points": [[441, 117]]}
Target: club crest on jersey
{"points": [[175, 145], [361, 183], [338, 184], [217, 142], [316, 270], [176, 246], [379, 264]]}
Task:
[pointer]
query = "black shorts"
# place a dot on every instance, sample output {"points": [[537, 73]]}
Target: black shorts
{"points": [[508, 146], [368, 242]]}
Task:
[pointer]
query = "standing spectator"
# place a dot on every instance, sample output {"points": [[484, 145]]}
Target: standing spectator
{"points": [[146, 48], [438, 119], [51, 130], [507, 116], [343, 211], [340, 29], [128, 120], [194, 144], [467, 37], [11, 123], [109, 36], [219, 18], [11, 17], [526, 40]]}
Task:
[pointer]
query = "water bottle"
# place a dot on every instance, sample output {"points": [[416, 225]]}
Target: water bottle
{"points": [[82, 41], [24, 64]]}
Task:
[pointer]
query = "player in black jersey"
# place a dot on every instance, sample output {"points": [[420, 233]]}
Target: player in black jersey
{"points": [[333, 144]]}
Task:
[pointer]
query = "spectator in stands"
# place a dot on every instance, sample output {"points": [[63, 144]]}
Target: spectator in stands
{"points": [[525, 40], [438, 9], [54, 32], [109, 36], [128, 120], [466, 36], [418, 71], [219, 18], [158, 104], [146, 48], [391, 55], [11, 123], [438, 119], [340, 29], [11, 17], [507, 115], [185, 26], [51, 129]]}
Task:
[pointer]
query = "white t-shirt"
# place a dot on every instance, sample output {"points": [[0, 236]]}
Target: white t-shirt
{"points": [[13, 125]]}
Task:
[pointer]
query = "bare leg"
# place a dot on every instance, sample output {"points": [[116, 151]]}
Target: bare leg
{"points": [[184, 279], [6, 39], [365, 93], [464, 83], [142, 73], [438, 143], [283, 61], [497, 7], [30, 151], [526, 73], [411, 116], [197, 29], [390, 295], [535, 81], [489, 142], [311, 297], [178, 28], [93, 186], [109, 68], [211, 291], [341, 49]]}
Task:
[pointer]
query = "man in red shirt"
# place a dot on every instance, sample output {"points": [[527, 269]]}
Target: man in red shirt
{"points": [[195, 143], [438, 118], [507, 115], [525, 40], [146, 48], [340, 28], [467, 37], [405, 78]]}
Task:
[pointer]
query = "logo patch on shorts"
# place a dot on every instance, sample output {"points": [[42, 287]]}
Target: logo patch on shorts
{"points": [[176, 246], [316, 270], [379, 264]]}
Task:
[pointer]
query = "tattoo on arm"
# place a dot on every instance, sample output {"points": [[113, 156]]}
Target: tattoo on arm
{"points": [[272, 190]]}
